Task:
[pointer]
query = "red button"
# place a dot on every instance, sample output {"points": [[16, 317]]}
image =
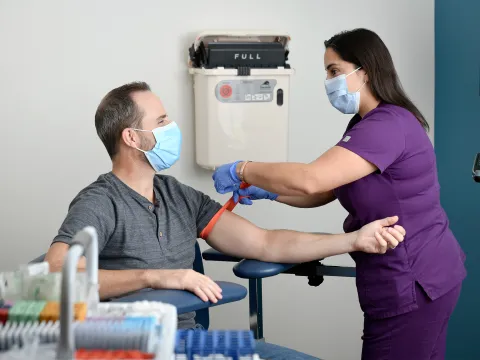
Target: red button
{"points": [[226, 91]]}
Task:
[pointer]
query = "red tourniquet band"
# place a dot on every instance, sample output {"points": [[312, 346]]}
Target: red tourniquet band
{"points": [[229, 205]]}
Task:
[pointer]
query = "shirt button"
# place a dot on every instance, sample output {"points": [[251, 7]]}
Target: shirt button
{"points": [[150, 207], [161, 234]]}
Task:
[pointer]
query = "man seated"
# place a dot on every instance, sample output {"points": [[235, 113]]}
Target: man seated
{"points": [[148, 224]]}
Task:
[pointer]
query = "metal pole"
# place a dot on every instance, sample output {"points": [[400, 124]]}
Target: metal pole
{"points": [[256, 308]]}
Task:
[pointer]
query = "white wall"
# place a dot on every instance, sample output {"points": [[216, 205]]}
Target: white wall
{"points": [[57, 60]]}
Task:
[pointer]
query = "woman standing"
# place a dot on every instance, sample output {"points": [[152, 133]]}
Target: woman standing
{"points": [[384, 164]]}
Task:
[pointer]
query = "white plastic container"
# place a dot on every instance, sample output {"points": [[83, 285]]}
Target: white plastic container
{"points": [[241, 114]]}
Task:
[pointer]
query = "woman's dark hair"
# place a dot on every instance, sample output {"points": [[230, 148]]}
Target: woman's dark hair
{"points": [[364, 48]]}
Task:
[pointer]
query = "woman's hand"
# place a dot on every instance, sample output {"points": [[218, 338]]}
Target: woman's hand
{"points": [[225, 178], [378, 236], [245, 196]]}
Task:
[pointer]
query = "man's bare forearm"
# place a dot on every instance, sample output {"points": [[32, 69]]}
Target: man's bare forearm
{"points": [[115, 283], [236, 236], [288, 246]]}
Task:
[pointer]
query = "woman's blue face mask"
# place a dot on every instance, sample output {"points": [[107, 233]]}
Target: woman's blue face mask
{"points": [[339, 96], [167, 147]]}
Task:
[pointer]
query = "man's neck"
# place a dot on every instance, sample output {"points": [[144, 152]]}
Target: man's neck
{"points": [[137, 176]]}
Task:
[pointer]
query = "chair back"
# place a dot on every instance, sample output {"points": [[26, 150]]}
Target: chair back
{"points": [[202, 316], [39, 259]]}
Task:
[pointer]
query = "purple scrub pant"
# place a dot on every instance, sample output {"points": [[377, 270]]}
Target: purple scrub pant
{"points": [[417, 335]]}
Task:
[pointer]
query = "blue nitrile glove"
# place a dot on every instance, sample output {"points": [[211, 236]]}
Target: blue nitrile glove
{"points": [[252, 193], [225, 178]]}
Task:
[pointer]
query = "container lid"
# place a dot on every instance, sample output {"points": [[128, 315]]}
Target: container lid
{"points": [[241, 36], [239, 49]]}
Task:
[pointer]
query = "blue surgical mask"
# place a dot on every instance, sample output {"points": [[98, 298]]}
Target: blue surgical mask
{"points": [[166, 151], [339, 96]]}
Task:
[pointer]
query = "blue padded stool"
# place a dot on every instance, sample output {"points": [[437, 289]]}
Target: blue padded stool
{"points": [[255, 271]]}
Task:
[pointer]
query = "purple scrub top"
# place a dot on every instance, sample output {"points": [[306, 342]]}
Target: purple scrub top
{"points": [[391, 138]]}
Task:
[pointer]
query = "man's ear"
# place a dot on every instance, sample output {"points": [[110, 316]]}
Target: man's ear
{"points": [[131, 138]]}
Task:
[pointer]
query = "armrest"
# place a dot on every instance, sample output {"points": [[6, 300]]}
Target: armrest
{"points": [[214, 255], [248, 269], [254, 269], [186, 301]]}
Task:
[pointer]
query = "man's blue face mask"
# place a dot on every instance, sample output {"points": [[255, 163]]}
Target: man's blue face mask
{"points": [[339, 96], [167, 148]]}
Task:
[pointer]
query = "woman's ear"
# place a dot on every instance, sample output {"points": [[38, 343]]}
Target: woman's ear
{"points": [[365, 77]]}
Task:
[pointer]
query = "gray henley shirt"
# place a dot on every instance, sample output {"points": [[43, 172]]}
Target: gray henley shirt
{"points": [[134, 233]]}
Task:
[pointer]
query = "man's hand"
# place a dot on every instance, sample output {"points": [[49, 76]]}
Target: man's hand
{"points": [[190, 280], [378, 236]]}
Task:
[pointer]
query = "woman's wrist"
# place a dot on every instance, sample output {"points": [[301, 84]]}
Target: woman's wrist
{"points": [[238, 167], [233, 170], [240, 170]]}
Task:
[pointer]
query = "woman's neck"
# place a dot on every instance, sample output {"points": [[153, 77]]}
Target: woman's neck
{"points": [[368, 101], [367, 105]]}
